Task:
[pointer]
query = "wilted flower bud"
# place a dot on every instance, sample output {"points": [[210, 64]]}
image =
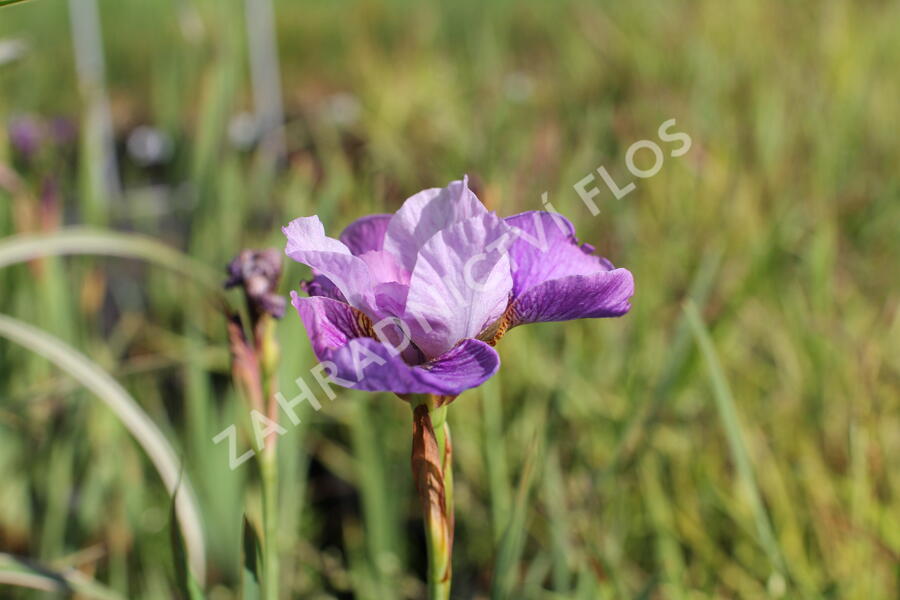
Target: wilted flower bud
{"points": [[258, 272]]}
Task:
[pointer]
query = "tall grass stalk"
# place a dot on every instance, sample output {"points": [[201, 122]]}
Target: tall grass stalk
{"points": [[99, 163], [735, 437]]}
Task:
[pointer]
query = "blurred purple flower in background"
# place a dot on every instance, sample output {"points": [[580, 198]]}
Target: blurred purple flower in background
{"points": [[29, 134], [25, 134], [413, 302]]}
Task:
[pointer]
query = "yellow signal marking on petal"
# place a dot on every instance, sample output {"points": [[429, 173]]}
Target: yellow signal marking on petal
{"points": [[364, 324], [507, 320]]}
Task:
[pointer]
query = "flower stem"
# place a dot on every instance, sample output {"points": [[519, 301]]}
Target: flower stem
{"points": [[432, 471], [268, 468], [268, 459]]}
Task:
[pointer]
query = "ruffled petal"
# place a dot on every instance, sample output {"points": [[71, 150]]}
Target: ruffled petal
{"points": [[426, 213], [366, 234], [603, 294], [546, 248], [308, 244], [339, 336], [461, 283], [557, 279]]}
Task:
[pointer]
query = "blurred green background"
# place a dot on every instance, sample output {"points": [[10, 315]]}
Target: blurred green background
{"points": [[609, 459]]}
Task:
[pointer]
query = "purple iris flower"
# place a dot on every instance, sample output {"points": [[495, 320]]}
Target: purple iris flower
{"points": [[414, 302]]}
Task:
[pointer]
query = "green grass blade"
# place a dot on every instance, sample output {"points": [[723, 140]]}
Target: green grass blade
{"points": [[132, 417], [87, 240], [26, 574], [637, 432], [511, 546], [734, 435], [184, 580], [494, 454], [251, 589]]}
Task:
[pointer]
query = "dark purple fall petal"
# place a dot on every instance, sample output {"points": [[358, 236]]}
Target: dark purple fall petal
{"points": [[369, 365], [320, 285], [603, 294], [557, 279], [340, 337], [547, 249], [329, 323]]}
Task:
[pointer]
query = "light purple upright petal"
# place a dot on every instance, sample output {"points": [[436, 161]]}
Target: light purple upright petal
{"points": [[339, 339], [426, 213], [384, 267], [366, 234], [308, 234], [461, 283], [308, 244], [546, 249], [603, 294]]}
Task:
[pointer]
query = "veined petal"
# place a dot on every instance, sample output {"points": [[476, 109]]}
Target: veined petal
{"points": [[557, 279], [384, 268], [366, 234], [329, 323], [320, 285], [461, 283], [308, 244], [546, 249], [602, 294], [370, 365], [340, 336], [426, 213]]}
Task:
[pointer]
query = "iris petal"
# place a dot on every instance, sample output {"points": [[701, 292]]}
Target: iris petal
{"points": [[603, 294], [557, 279], [461, 283], [425, 214], [340, 336], [308, 244], [365, 234]]}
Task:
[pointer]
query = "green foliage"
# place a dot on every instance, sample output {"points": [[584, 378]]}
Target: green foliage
{"points": [[250, 572]]}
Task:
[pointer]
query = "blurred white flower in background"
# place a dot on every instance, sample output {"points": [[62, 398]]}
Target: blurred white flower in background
{"points": [[243, 130], [149, 146]]}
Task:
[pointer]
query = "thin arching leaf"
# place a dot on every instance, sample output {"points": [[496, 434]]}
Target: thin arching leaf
{"points": [[144, 430], [93, 241]]}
